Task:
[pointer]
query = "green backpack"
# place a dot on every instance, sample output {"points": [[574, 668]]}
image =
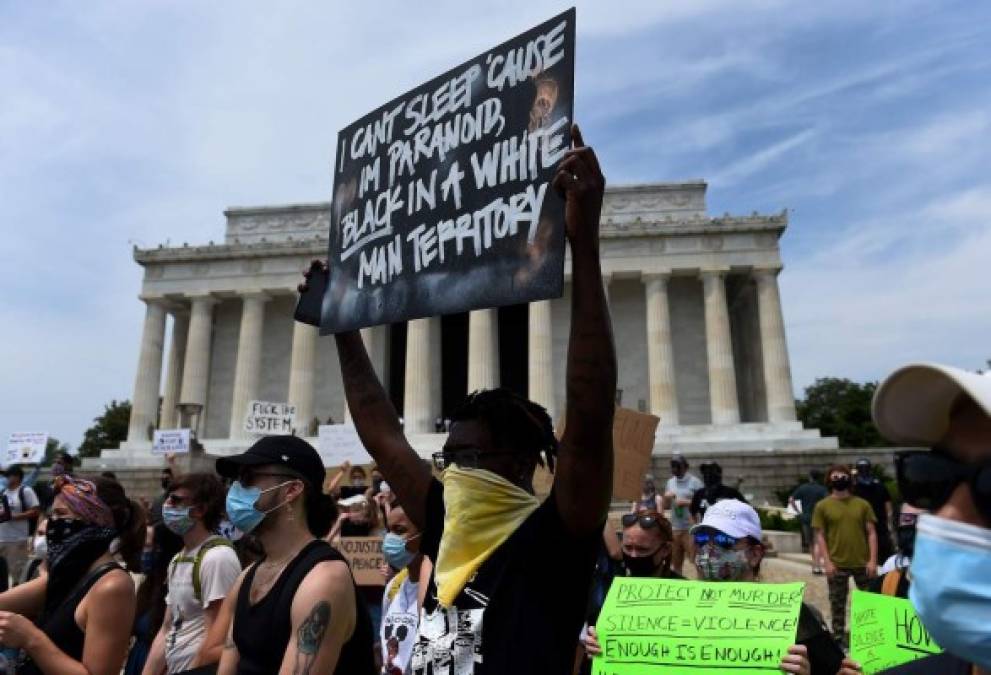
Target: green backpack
{"points": [[198, 562]]}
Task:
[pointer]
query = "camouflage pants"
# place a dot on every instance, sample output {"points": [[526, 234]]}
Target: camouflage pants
{"points": [[839, 589]]}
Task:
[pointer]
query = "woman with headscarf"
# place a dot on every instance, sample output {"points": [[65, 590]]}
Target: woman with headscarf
{"points": [[78, 618]]}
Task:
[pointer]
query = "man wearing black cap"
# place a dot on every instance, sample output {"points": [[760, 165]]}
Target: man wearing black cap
{"points": [[296, 610]]}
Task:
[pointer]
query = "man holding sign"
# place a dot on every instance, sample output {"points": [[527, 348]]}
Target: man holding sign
{"points": [[497, 602]]}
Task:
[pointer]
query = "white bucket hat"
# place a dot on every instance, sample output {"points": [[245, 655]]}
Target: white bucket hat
{"points": [[912, 405]]}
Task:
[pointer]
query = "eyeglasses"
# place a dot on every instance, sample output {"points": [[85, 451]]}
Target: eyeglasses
{"points": [[927, 479], [645, 521], [247, 476], [466, 458], [720, 539]]}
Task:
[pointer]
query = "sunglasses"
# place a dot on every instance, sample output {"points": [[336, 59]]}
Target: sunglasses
{"points": [[645, 521], [467, 458], [927, 479], [720, 539]]}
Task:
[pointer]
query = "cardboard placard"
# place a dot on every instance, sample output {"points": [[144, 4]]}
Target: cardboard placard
{"points": [[267, 418], [442, 197], [339, 443], [633, 442], [885, 632], [656, 626], [364, 554], [25, 447], [175, 441]]}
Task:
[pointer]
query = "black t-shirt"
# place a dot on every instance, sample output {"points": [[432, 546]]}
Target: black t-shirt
{"points": [[943, 664], [707, 496], [521, 612], [877, 496]]}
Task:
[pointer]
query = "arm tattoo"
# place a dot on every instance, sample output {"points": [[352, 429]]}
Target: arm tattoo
{"points": [[309, 635]]}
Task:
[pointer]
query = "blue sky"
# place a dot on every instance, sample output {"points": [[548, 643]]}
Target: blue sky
{"points": [[138, 123]]}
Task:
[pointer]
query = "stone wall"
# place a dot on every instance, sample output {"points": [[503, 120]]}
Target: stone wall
{"points": [[761, 473]]}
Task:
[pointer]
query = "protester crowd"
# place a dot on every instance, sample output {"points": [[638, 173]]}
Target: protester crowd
{"points": [[239, 571]]}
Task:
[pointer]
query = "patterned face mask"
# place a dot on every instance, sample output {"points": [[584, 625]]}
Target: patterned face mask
{"points": [[719, 564], [69, 536]]}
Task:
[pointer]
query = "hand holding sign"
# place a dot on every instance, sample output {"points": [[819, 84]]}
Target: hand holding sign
{"points": [[580, 182]]}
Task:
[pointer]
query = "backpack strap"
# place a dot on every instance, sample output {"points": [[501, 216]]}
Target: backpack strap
{"points": [[889, 585], [197, 562]]}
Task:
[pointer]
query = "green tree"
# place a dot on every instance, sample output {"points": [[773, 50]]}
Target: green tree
{"points": [[108, 431], [52, 448], [842, 408]]}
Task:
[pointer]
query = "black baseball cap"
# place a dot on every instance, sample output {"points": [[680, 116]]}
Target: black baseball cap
{"points": [[291, 452]]}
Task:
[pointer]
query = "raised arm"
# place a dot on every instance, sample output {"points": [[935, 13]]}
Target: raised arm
{"points": [[583, 481], [378, 427]]}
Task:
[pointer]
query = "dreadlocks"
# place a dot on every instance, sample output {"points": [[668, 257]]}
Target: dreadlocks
{"points": [[513, 421]]}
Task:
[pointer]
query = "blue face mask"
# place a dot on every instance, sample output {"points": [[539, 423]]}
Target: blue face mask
{"points": [[177, 519], [395, 552], [241, 502], [951, 587]]}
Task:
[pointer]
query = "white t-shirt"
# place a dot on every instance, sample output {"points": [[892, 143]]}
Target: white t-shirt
{"points": [[683, 488], [17, 530], [400, 618], [218, 572]]}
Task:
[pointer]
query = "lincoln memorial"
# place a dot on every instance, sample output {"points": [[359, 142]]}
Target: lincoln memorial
{"points": [[695, 303]]}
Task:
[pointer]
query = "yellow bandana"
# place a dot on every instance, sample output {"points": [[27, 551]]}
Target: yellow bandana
{"points": [[481, 510]]}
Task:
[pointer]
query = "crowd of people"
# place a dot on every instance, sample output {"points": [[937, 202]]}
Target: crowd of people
{"points": [[239, 571]]}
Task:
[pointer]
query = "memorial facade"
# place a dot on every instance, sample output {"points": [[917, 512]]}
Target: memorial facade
{"points": [[695, 305]]}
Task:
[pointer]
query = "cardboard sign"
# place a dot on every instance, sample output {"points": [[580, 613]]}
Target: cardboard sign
{"points": [[174, 441], [885, 632], [442, 197], [25, 447], [633, 443], [339, 443], [674, 627], [364, 554], [268, 419]]}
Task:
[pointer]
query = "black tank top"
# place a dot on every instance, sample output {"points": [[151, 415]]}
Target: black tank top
{"points": [[60, 624], [262, 631]]}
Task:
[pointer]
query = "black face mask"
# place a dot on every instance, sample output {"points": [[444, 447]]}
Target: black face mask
{"points": [[840, 484], [642, 566], [711, 479], [906, 540], [166, 483]]}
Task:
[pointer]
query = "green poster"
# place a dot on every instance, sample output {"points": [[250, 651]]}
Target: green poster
{"points": [[885, 631], [675, 627]]}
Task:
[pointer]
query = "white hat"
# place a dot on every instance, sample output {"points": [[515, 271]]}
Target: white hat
{"points": [[732, 517], [912, 405]]}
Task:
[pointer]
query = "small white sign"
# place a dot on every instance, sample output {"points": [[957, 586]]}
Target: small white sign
{"points": [[25, 447], [339, 443], [267, 418], [175, 441]]}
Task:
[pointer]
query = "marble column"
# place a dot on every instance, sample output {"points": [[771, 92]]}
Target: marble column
{"points": [[302, 369], [173, 371], [540, 356], [774, 348], [660, 352], [419, 408], [247, 370], [483, 349], [196, 367], [723, 398], [144, 403]]}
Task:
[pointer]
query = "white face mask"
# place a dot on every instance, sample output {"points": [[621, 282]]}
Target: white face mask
{"points": [[40, 546]]}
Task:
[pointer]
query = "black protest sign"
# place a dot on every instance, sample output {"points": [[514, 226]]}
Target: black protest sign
{"points": [[442, 197]]}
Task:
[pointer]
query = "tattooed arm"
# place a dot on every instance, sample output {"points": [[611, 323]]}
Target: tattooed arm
{"points": [[323, 619], [583, 480]]}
